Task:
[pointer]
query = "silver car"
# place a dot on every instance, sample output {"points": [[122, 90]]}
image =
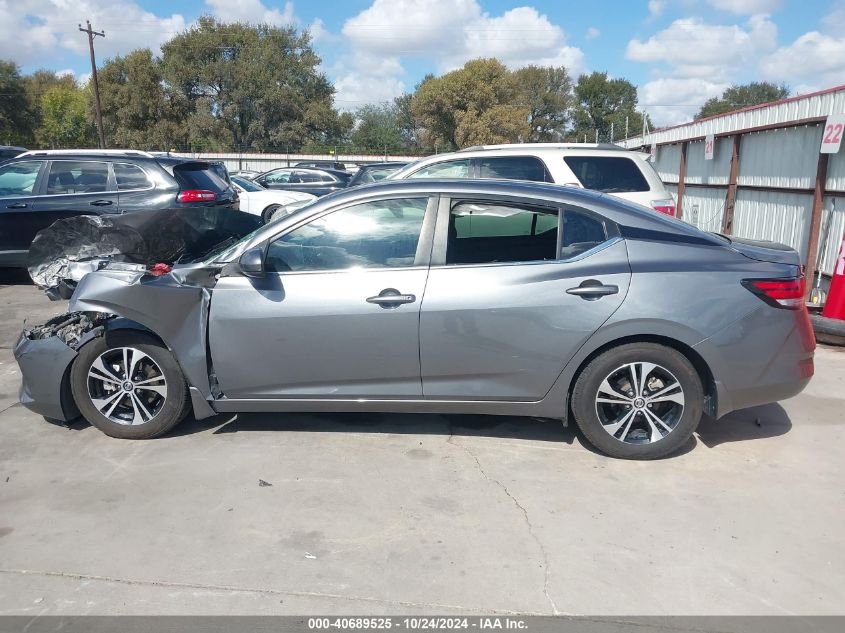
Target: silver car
{"points": [[447, 296]]}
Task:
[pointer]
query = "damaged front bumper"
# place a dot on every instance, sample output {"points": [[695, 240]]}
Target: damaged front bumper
{"points": [[44, 355]]}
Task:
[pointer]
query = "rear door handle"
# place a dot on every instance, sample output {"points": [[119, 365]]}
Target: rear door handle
{"points": [[593, 289], [391, 298], [101, 203], [16, 205]]}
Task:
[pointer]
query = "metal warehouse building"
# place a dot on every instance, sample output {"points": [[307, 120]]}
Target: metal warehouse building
{"points": [[767, 178]]}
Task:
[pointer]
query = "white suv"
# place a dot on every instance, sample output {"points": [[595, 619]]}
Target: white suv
{"points": [[602, 167]]}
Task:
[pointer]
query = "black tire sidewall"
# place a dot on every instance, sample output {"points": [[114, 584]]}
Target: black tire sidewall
{"points": [[586, 388], [175, 405], [267, 213]]}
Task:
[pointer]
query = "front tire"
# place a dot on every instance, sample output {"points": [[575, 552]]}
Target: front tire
{"points": [[130, 387], [638, 401]]}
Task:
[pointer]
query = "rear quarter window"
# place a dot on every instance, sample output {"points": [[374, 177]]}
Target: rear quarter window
{"points": [[514, 168], [609, 174]]}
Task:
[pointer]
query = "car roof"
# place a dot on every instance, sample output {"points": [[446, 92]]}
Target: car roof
{"points": [[615, 209], [337, 172], [162, 158], [386, 164]]}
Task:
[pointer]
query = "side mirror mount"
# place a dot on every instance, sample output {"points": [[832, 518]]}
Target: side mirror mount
{"points": [[251, 262]]}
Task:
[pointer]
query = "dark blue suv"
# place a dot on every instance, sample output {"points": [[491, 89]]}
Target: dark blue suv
{"points": [[39, 187]]}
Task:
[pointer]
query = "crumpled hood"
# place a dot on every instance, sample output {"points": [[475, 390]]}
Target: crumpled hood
{"points": [[70, 248]]}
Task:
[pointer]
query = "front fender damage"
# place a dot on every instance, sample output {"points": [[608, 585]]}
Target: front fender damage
{"points": [[174, 307]]}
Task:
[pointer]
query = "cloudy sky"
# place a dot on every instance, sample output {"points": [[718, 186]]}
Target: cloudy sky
{"points": [[678, 52]]}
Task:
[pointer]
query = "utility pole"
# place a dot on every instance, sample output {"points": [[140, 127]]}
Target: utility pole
{"points": [[91, 35]]}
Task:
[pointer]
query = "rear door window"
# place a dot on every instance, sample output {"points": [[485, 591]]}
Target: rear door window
{"points": [[513, 168], [609, 174], [498, 232], [204, 176], [77, 176], [581, 232]]}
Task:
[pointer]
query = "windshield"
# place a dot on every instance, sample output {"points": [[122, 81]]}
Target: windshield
{"points": [[247, 185]]}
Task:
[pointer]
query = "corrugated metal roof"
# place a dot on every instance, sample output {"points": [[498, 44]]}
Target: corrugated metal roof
{"points": [[817, 104]]}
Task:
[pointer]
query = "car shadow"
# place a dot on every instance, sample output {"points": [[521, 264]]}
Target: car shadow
{"points": [[535, 429], [756, 423]]}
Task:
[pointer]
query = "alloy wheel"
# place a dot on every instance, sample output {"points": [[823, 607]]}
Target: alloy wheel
{"points": [[127, 386], [640, 403]]}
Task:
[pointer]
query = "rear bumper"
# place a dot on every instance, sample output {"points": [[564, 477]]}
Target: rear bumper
{"points": [[44, 365], [764, 357]]}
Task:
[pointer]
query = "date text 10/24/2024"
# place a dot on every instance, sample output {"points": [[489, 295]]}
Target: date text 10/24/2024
{"points": [[420, 623]]}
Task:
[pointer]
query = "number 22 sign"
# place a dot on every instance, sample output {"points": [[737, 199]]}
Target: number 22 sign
{"points": [[834, 129]]}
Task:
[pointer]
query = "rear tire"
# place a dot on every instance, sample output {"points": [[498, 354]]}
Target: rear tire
{"points": [[267, 214], [147, 401], [638, 401]]}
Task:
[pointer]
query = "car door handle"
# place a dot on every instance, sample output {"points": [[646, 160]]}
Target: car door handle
{"points": [[16, 205], [101, 203], [391, 298], [592, 289]]}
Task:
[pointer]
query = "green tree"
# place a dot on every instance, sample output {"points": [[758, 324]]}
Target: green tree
{"points": [[474, 104], [547, 93], [15, 111], [737, 97], [407, 123], [602, 105], [251, 87], [64, 119], [138, 111], [36, 85], [377, 128]]}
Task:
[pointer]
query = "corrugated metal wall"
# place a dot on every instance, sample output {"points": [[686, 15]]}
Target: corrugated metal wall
{"points": [[704, 207], [835, 229], [836, 172], [668, 163], [775, 216], [709, 172], [780, 158]]}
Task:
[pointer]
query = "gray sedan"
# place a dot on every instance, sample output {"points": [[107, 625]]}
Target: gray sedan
{"points": [[487, 297]]}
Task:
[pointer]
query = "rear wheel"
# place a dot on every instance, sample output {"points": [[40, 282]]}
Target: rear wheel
{"points": [[130, 387], [267, 214], [638, 401]]}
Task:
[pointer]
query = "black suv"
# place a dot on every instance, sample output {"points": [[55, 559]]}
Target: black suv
{"points": [[39, 187]]}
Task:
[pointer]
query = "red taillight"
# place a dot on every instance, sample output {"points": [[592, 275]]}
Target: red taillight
{"points": [[781, 293], [664, 206], [196, 195]]}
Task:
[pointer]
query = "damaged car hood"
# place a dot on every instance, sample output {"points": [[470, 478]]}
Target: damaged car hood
{"points": [[63, 253]]}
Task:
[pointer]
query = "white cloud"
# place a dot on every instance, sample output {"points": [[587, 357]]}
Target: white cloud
{"points": [[253, 11], [692, 47], [671, 100], [31, 31], [367, 79], [746, 7], [450, 32], [815, 59], [592, 33]]}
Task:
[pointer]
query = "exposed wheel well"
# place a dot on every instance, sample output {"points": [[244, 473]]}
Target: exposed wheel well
{"points": [[708, 383]]}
